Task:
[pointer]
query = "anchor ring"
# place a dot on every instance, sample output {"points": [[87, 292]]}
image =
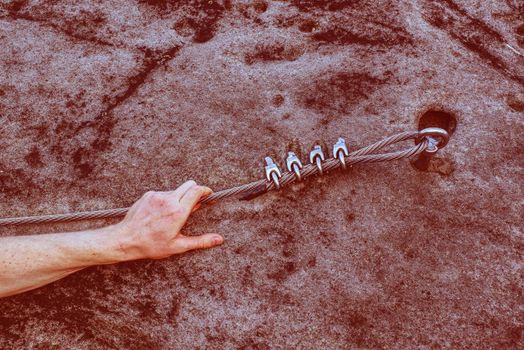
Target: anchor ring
{"points": [[293, 164], [340, 151], [316, 156], [272, 172], [432, 133]]}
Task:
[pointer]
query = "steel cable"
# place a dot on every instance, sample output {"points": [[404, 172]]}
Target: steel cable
{"points": [[363, 155]]}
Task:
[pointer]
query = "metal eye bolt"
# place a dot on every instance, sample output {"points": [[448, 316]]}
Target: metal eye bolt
{"points": [[438, 138]]}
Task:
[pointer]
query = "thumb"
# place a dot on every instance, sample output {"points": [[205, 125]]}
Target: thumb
{"points": [[186, 243]]}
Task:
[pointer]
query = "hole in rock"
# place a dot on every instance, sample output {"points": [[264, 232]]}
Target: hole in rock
{"points": [[438, 119]]}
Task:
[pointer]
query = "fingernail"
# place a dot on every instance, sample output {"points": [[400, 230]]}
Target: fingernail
{"points": [[218, 240]]}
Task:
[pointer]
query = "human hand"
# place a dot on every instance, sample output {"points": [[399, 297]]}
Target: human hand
{"points": [[151, 228]]}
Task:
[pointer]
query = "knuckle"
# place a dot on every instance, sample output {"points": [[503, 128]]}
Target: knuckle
{"points": [[177, 210], [185, 245], [157, 199], [198, 189], [192, 191], [193, 244], [202, 244]]}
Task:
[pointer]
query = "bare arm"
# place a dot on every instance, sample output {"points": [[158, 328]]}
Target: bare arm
{"points": [[150, 230]]}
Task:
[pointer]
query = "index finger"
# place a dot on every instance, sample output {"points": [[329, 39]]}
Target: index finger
{"points": [[192, 196], [182, 189]]}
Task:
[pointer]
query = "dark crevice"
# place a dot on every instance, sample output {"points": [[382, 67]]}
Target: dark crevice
{"points": [[438, 119], [272, 53], [152, 60], [472, 33], [344, 36], [335, 93], [105, 122], [199, 18], [353, 22], [332, 5], [16, 14], [99, 130], [474, 21], [15, 6]]}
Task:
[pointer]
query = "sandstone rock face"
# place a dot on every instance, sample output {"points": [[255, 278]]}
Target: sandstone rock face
{"points": [[102, 101]]}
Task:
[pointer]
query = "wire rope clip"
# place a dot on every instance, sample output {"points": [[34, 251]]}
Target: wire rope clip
{"points": [[294, 164], [272, 172], [316, 156], [340, 151]]}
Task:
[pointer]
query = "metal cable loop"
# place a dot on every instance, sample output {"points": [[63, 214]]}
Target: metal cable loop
{"points": [[363, 155], [331, 164]]}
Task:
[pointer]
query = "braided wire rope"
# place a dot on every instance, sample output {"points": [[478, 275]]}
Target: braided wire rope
{"points": [[362, 155]]}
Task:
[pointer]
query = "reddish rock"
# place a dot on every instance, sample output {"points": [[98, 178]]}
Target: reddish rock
{"points": [[100, 102]]}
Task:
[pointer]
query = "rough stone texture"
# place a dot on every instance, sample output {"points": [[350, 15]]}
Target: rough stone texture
{"points": [[101, 101]]}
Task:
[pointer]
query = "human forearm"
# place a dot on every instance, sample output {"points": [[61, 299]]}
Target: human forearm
{"points": [[150, 230], [28, 262]]}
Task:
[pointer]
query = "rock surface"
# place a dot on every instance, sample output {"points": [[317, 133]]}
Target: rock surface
{"points": [[102, 101]]}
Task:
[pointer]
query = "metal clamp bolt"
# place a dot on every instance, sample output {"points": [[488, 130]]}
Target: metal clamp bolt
{"points": [[340, 151], [316, 156], [272, 172], [294, 164]]}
